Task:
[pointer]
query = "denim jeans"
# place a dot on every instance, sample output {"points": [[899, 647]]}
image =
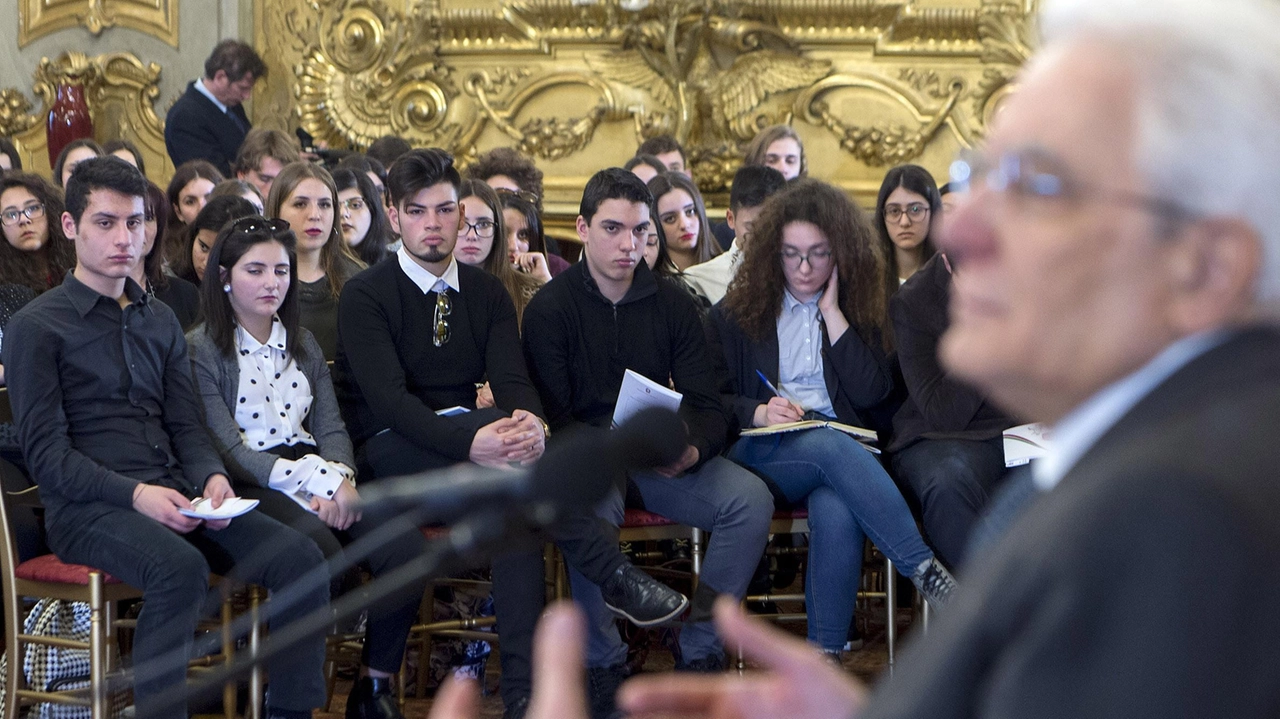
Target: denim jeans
{"points": [[953, 480], [721, 498], [849, 497], [172, 570]]}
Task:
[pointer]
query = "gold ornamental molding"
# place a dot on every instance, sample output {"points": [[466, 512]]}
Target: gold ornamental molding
{"points": [[578, 84], [121, 94], [157, 18]]}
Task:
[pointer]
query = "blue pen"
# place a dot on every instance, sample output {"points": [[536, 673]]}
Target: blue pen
{"points": [[767, 383]]}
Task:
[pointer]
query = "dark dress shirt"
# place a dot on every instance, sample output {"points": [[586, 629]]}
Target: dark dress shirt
{"points": [[103, 397]]}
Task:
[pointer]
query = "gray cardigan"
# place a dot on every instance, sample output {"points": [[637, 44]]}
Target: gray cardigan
{"points": [[218, 379]]}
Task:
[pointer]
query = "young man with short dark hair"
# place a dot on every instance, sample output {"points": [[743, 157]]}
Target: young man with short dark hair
{"points": [[752, 185], [208, 122], [583, 330], [416, 334], [114, 435], [668, 151]]}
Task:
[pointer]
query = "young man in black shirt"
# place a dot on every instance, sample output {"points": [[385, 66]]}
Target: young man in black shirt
{"points": [[114, 436], [416, 335], [583, 330]]}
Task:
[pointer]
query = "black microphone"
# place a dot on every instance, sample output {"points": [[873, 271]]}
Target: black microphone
{"points": [[575, 474]]}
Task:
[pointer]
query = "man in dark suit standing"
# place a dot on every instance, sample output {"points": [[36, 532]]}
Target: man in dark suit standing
{"points": [[208, 122]]}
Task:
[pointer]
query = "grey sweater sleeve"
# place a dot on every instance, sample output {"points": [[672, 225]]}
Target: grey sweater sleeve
{"points": [[217, 378]]}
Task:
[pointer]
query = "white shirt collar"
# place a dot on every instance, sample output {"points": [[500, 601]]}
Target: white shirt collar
{"points": [[1075, 433], [278, 340], [423, 278], [205, 91], [789, 302]]}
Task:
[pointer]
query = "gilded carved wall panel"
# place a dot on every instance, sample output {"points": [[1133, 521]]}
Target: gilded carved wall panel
{"points": [[121, 94], [157, 18], [580, 83]]}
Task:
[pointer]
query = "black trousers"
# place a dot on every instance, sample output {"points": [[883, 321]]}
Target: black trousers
{"points": [[952, 480], [519, 595]]}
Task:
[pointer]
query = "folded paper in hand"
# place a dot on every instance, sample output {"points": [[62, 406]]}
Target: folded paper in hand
{"points": [[639, 392], [202, 508]]}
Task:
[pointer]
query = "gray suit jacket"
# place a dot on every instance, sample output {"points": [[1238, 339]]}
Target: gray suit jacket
{"points": [[1146, 584], [217, 380]]}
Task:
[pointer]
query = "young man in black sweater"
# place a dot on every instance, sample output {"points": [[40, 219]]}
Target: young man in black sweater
{"points": [[416, 335], [582, 331]]}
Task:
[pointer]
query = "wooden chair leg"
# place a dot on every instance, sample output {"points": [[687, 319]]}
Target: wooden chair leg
{"points": [[255, 649], [228, 656]]}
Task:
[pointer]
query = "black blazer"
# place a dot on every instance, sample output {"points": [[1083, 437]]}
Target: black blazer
{"points": [[195, 129], [857, 373], [937, 406], [1144, 584]]}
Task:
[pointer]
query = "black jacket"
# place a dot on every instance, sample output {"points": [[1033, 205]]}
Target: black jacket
{"points": [[856, 372], [579, 344], [1143, 585], [195, 129], [937, 406]]}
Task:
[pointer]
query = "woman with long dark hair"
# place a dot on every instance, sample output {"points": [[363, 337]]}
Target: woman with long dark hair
{"points": [[273, 416], [304, 195], [180, 295], [907, 209], [805, 316], [188, 192], [681, 218], [365, 226], [526, 240], [35, 253], [203, 231]]}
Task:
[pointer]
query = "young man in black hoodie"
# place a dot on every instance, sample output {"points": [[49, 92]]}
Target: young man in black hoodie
{"points": [[582, 331]]}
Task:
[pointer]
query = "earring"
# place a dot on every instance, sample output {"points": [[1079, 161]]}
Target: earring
{"points": [[226, 288]]}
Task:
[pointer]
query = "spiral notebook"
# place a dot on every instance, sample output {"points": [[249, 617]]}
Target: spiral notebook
{"points": [[862, 435]]}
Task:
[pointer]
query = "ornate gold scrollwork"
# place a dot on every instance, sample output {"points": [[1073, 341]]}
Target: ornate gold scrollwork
{"points": [[546, 138], [157, 18], [120, 91], [881, 144]]}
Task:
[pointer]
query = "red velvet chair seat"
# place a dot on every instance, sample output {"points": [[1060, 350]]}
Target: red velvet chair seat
{"points": [[797, 513], [49, 568], [641, 518]]}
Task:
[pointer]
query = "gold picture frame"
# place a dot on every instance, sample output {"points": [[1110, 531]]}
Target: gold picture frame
{"points": [[157, 18]]}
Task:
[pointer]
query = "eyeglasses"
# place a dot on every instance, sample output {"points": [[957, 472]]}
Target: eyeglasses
{"points": [[444, 307], [13, 217], [353, 204], [258, 223], [915, 212], [1030, 175], [815, 258], [483, 228]]}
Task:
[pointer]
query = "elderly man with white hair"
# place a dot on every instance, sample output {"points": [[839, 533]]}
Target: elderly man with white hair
{"points": [[1117, 271]]}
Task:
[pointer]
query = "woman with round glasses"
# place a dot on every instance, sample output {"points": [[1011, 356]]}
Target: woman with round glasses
{"points": [[35, 253], [482, 242], [805, 316], [304, 195], [365, 226], [271, 410], [906, 210]]}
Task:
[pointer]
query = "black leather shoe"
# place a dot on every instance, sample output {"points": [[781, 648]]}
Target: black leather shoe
{"points": [[602, 690], [641, 599], [372, 698]]}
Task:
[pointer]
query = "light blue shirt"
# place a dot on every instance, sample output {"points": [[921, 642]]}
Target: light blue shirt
{"points": [[1075, 433], [800, 377], [200, 88]]}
